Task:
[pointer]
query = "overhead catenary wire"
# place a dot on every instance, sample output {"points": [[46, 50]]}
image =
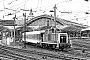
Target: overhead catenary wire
{"points": [[3, 8], [11, 9], [63, 2], [18, 4], [24, 4], [50, 4], [37, 5], [41, 4], [11, 6], [58, 4], [15, 6], [12, 2], [44, 10], [74, 12]]}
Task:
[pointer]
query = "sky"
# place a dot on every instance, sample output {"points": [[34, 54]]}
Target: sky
{"points": [[76, 9]]}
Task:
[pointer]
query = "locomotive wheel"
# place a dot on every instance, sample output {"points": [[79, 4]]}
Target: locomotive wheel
{"points": [[46, 46], [38, 44], [54, 46], [56, 49]]}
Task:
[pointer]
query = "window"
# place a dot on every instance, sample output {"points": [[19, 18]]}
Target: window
{"points": [[62, 39]]}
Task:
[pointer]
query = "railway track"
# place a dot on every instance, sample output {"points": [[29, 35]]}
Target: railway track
{"points": [[81, 44], [15, 56], [61, 56], [31, 52], [4, 57], [73, 51]]}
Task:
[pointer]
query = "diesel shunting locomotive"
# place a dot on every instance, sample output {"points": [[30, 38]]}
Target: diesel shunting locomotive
{"points": [[52, 40]]}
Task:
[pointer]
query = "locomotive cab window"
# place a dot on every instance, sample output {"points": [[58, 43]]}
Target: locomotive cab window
{"points": [[63, 38]]}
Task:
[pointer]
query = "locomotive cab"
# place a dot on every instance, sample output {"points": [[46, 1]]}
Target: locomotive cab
{"points": [[63, 41], [63, 38], [52, 40], [56, 40]]}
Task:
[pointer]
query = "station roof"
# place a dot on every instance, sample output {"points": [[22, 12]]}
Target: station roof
{"points": [[22, 29], [62, 21], [7, 22], [63, 28], [2, 28], [68, 25], [88, 28], [71, 29]]}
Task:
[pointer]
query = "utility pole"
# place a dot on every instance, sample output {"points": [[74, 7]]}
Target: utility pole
{"points": [[55, 20], [14, 28], [24, 15]]}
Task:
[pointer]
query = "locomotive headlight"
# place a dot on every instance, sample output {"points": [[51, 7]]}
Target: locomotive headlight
{"points": [[61, 37]]}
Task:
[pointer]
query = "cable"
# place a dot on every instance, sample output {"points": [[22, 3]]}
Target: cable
{"points": [[12, 2], [14, 13], [66, 4], [37, 5], [18, 7], [4, 8], [10, 7], [73, 12], [24, 4], [41, 5], [81, 18], [63, 2], [17, 4], [47, 5]]}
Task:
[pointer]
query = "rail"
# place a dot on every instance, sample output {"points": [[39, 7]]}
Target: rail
{"points": [[61, 56]]}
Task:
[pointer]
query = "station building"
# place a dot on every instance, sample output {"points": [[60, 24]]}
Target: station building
{"points": [[46, 22], [6, 31], [42, 22]]}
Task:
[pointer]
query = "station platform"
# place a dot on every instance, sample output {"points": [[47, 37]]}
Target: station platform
{"points": [[14, 45]]}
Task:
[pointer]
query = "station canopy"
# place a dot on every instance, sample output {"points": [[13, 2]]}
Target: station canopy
{"points": [[71, 29], [2, 28], [64, 25], [62, 28], [88, 28]]}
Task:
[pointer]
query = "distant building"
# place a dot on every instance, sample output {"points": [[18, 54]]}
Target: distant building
{"points": [[6, 31]]}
